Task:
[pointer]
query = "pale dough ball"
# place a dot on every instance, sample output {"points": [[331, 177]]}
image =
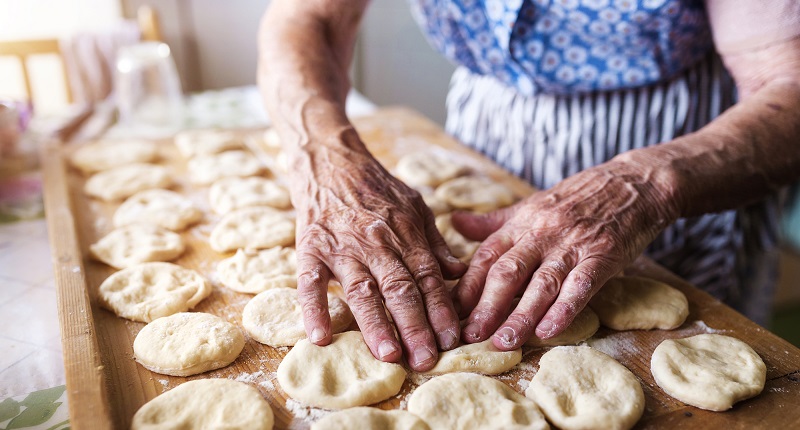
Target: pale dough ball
{"points": [[709, 371], [187, 343], [135, 244], [341, 375], [275, 317], [251, 271], [482, 357], [578, 387], [236, 193], [206, 404], [205, 169], [437, 205], [257, 227], [125, 181], [466, 401], [152, 290], [163, 208], [473, 193], [461, 247], [635, 303], [192, 143], [584, 326], [427, 169], [366, 418], [100, 156]]}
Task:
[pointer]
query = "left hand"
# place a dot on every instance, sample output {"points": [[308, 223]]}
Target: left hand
{"points": [[557, 248]]}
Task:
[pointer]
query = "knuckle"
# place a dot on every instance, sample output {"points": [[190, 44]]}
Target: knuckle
{"points": [[509, 267], [522, 321], [485, 255], [360, 292], [312, 309], [398, 287], [308, 279]]}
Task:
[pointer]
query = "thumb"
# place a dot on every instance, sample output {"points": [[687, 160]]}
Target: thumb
{"points": [[479, 227]]}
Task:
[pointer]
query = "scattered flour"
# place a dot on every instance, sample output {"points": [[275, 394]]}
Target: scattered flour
{"points": [[418, 379], [248, 378], [305, 413], [523, 384], [164, 383]]}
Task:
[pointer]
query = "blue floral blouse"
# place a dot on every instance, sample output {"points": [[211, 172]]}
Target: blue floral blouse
{"points": [[568, 46]]}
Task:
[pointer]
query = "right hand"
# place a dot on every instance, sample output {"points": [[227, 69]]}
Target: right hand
{"points": [[360, 225]]}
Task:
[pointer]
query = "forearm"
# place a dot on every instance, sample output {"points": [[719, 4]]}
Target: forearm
{"points": [[305, 50]]}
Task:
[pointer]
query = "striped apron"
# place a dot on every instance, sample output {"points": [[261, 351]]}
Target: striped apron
{"points": [[545, 138]]}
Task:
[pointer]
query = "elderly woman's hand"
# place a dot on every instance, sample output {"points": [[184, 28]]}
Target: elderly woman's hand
{"points": [[557, 248], [375, 235]]}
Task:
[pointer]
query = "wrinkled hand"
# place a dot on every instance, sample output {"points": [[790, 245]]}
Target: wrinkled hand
{"points": [[360, 225], [556, 248]]}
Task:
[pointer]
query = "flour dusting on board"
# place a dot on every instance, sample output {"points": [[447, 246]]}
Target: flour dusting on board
{"points": [[305, 413], [625, 343]]}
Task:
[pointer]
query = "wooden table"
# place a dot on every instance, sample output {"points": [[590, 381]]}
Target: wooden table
{"points": [[106, 386]]}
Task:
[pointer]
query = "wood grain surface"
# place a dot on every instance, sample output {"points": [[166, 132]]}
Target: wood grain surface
{"points": [[105, 385]]}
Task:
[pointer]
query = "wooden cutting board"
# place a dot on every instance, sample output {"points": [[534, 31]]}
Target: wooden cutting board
{"points": [[105, 386]]}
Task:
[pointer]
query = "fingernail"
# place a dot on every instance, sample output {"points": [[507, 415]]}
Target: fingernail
{"points": [[507, 336], [545, 328], [317, 335], [453, 260], [447, 339], [386, 348], [421, 356], [472, 331]]}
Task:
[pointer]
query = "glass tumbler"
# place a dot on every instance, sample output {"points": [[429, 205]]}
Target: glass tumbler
{"points": [[148, 88]]}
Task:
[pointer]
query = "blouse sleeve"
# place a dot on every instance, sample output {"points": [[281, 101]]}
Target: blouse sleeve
{"points": [[744, 25]]}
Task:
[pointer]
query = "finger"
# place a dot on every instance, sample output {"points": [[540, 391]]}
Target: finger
{"points": [[364, 299], [470, 286], [452, 267], [312, 293], [579, 286], [404, 302], [438, 304], [507, 276], [542, 291], [479, 227]]}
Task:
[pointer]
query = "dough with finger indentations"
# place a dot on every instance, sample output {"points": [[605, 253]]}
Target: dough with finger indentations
{"points": [[461, 247], [252, 271], [152, 290], [234, 193], [466, 401], [709, 371], [256, 228], [192, 143], [187, 343], [205, 169], [124, 181], [427, 169], [163, 208], [482, 357], [206, 404], [104, 155], [136, 244], [578, 387], [583, 327], [474, 193], [341, 375], [636, 303], [275, 317], [366, 418]]}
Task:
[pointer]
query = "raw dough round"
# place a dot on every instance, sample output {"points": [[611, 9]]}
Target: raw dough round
{"points": [[427, 169], [106, 155], [192, 143], [474, 193], [584, 326], [135, 244], [366, 418], [257, 228], [481, 357], [341, 375], [235, 193], [163, 208], [578, 387], [466, 401], [461, 247], [205, 169], [251, 271], [437, 205], [206, 404], [187, 343], [275, 317], [152, 290], [635, 303], [709, 371], [125, 181]]}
